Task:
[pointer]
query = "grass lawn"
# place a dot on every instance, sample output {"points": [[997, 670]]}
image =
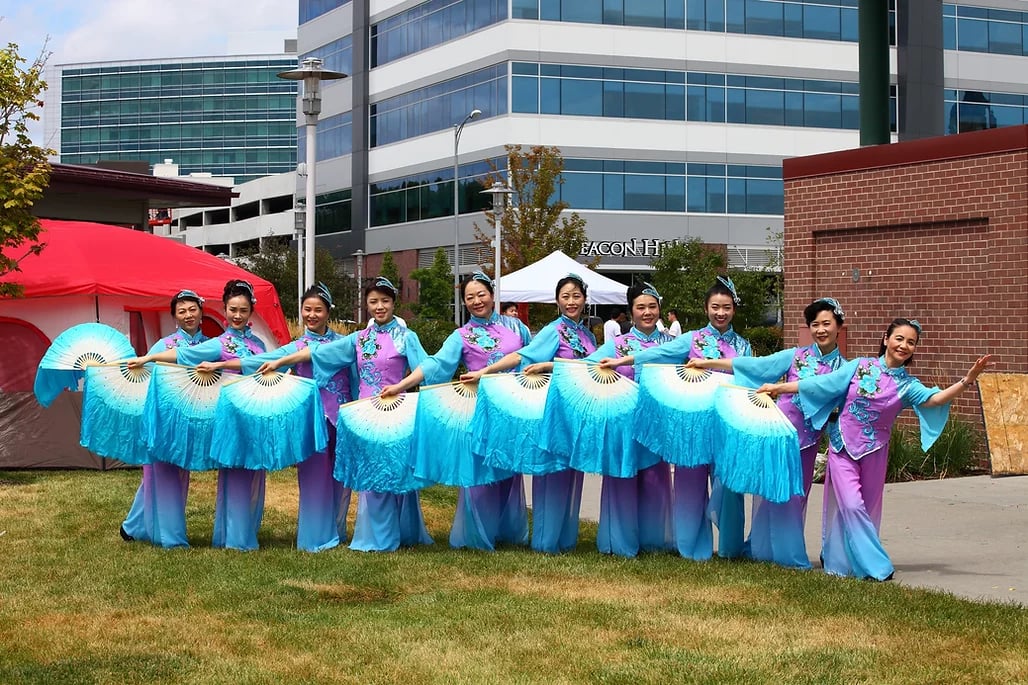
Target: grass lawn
{"points": [[78, 605]]}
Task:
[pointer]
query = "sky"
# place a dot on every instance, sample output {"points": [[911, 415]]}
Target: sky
{"points": [[98, 30]]}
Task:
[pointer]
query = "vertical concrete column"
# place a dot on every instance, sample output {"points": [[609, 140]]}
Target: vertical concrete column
{"points": [[873, 20]]}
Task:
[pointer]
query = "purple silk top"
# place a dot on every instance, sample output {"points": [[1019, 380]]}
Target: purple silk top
{"points": [[559, 339], [627, 345], [384, 356], [705, 343], [232, 344], [337, 390], [478, 343]]}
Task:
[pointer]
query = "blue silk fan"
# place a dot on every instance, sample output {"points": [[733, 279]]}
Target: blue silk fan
{"points": [[112, 412], [63, 365], [267, 421], [758, 450], [442, 438], [373, 444], [587, 423], [178, 417], [676, 417], [507, 421]]}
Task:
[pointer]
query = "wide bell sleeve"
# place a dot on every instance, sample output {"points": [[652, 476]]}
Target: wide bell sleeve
{"points": [[932, 419], [755, 371], [440, 367], [604, 351], [414, 350], [252, 363], [819, 395], [328, 359], [543, 347], [673, 352], [209, 351]]}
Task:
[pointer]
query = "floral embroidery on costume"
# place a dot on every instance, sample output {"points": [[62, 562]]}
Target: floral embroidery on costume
{"points": [[806, 364], [371, 376], [368, 344], [706, 343], [569, 335], [868, 376], [477, 335]]}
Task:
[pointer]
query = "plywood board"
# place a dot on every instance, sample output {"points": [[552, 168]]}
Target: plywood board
{"points": [[1005, 407]]}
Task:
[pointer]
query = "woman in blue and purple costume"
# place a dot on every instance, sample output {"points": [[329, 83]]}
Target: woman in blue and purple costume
{"points": [[158, 513], [872, 392], [776, 529], [693, 508], [376, 355], [635, 512], [239, 505], [494, 513], [323, 502], [556, 497]]}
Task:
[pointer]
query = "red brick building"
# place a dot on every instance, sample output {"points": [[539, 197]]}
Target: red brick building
{"points": [[935, 230]]}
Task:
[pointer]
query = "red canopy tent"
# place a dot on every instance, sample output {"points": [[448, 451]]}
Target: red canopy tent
{"points": [[117, 276]]}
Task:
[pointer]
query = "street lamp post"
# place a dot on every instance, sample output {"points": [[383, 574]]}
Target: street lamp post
{"points": [[311, 73], [359, 255], [499, 191], [456, 216], [299, 224]]}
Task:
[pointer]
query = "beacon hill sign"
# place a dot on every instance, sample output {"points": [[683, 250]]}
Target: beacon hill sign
{"points": [[636, 247]]}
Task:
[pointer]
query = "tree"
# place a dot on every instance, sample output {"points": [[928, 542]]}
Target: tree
{"points": [[24, 169], [534, 224], [389, 268], [683, 273], [276, 263], [435, 297]]}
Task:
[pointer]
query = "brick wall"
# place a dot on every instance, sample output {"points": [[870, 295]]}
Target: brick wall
{"points": [[935, 230]]}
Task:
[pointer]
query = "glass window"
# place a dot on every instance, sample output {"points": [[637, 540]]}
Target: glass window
{"points": [[644, 101], [764, 18], [525, 9], [525, 94], [972, 35], [1004, 38], [613, 191], [613, 99], [821, 22], [582, 190], [822, 110], [644, 13], [765, 107]]}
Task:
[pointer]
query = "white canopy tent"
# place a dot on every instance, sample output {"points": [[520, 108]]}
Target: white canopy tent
{"points": [[535, 282]]}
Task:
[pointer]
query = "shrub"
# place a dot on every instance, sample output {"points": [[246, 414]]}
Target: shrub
{"points": [[955, 453], [764, 339]]}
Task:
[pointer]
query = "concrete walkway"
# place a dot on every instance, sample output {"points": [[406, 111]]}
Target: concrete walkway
{"points": [[967, 536]]}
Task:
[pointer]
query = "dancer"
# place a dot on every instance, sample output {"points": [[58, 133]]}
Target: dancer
{"points": [[376, 355], [872, 392], [486, 514], [694, 509], [635, 512], [239, 506], [776, 530], [158, 512], [556, 497], [323, 502]]}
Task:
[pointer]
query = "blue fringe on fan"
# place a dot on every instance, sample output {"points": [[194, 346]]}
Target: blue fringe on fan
{"points": [[172, 436], [379, 466], [508, 442], [269, 442], [443, 455], [50, 383], [767, 465], [111, 432], [679, 437]]}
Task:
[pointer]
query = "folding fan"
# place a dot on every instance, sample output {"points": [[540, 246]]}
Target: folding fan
{"points": [[178, 416], [267, 421], [587, 423], [373, 444], [442, 438], [71, 352], [112, 412], [676, 412], [508, 419], [758, 450]]}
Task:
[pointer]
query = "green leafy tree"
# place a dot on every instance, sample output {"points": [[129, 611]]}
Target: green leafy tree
{"points": [[24, 169], [535, 223], [435, 297], [276, 263], [683, 272], [389, 268]]}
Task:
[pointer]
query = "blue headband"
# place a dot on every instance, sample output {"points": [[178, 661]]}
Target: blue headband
{"points": [[383, 282], [479, 276], [650, 290], [727, 282], [916, 324], [187, 295], [249, 289], [834, 303], [575, 277], [324, 294]]}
